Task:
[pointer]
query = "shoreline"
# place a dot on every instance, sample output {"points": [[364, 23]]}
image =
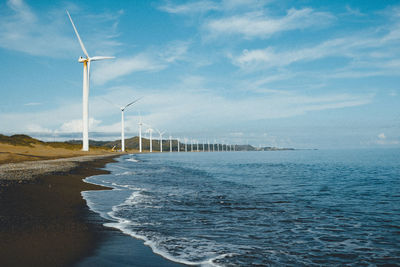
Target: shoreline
{"points": [[44, 220], [121, 248]]}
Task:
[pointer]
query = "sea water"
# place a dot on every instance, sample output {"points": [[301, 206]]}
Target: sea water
{"points": [[258, 208]]}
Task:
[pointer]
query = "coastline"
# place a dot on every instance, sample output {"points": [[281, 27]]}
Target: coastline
{"points": [[44, 221]]}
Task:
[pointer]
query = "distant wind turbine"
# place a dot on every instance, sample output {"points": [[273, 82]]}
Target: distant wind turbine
{"points": [[150, 131], [123, 124], [161, 134], [170, 143], [140, 133], [86, 81], [179, 149]]}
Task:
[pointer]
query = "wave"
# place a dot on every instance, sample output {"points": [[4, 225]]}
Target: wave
{"points": [[156, 243]]}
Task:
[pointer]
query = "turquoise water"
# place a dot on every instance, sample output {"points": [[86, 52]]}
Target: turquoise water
{"points": [[258, 208]]}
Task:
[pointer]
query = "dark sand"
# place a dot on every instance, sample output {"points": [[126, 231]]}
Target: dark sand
{"points": [[45, 223]]}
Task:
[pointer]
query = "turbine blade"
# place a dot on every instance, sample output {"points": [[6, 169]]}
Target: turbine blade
{"points": [[100, 58], [133, 102], [77, 34]]}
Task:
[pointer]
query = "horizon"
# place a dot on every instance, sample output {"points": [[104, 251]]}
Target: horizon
{"points": [[284, 74]]}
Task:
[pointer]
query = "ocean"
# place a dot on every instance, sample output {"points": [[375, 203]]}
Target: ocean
{"points": [[302, 207]]}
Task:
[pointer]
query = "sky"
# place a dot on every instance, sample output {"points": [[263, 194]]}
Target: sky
{"points": [[301, 74]]}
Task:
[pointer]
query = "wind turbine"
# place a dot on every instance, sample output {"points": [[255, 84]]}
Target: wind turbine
{"points": [[86, 81], [179, 149], [170, 143], [150, 131], [123, 124], [161, 134], [203, 146], [140, 133], [185, 144], [191, 147]]}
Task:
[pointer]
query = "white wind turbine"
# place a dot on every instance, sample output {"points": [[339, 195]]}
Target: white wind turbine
{"points": [[140, 133], [161, 134], [179, 149], [86, 81], [185, 144], [150, 131], [170, 143], [123, 124]]}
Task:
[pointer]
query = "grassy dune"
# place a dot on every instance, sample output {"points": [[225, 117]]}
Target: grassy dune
{"points": [[17, 148]]}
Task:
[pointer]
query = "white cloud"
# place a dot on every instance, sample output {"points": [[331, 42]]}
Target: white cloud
{"points": [[50, 35], [366, 52], [33, 104], [258, 25], [146, 61], [74, 126], [112, 69], [204, 6], [190, 8]]}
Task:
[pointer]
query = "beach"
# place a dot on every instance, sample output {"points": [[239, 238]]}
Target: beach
{"points": [[43, 218], [44, 221]]}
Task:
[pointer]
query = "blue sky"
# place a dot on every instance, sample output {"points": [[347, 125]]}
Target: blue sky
{"points": [[304, 74]]}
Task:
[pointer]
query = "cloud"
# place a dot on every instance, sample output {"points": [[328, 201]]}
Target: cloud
{"points": [[354, 11], [258, 25], [74, 126], [111, 70], [145, 61], [189, 8], [50, 35], [371, 53], [33, 104], [204, 6], [383, 140]]}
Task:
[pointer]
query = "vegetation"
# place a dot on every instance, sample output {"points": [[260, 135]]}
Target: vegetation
{"points": [[130, 143]]}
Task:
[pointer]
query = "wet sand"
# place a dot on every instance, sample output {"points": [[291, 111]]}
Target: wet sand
{"points": [[44, 221]]}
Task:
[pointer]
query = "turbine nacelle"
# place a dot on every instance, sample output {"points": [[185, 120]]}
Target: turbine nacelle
{"points": [[82, 59]]}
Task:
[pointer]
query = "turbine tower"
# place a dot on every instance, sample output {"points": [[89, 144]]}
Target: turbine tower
{"points": [[179, 149], [140, 134], [170, 143], [86, 81], [161, 134], [123, 124], [150, 131]]}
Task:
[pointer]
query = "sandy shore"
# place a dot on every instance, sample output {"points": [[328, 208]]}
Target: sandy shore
{"points": [[43, 218]]}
